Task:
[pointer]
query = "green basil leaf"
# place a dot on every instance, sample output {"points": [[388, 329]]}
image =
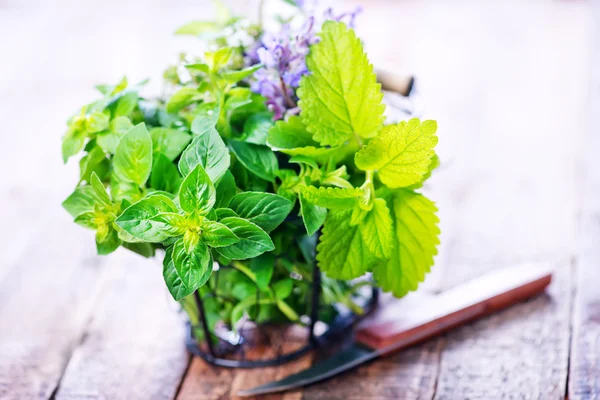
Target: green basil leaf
{"points": [[142, 219], [237, 97], [165, 175], [207, 115], [183, 98], [236, 76], [209, 151], [72, 144], [226, 189], [133, 158], [259, 160], [183, 272], [197, 192], [109, 140], [81, 200], [143, 249], [312, 215], [253, 240], [262, 267], [124, 105], [283, 288], [170, 142], [256, 128], [218, 59], [266, 210], [224, 213], [109, 243], [94, 161], [87, 219], [216, 234], [99, 189]]}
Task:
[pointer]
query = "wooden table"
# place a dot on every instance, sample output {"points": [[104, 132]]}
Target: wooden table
{"points": [[515, 87]]}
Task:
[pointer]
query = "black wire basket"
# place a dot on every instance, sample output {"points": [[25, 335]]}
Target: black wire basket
{"points": [[230, 350]]}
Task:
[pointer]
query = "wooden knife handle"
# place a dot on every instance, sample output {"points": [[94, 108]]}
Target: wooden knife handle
{"points": [[402, 324]]}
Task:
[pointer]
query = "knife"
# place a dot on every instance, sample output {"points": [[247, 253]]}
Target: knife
{"points": [[400, 323]]}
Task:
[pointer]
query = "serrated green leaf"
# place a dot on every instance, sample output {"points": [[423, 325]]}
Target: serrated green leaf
{"points": [[332, 198], [209, 151], [292, 138], [183, 98], [81, 200], [401, 154], [165, 175], [435, 162], [197, 192], [253, 240], [133, 158], [341, 252], [143, 219], [376, 230], [415, 241], [340, 97], [185, 272], [313, 216], [266, 210], [225, 190], [170, 142], [216, 234], [260, 160]]}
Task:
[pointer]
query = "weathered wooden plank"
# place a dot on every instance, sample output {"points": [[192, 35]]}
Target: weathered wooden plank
{"points": [[584, 372], [134, 345], [45, 303]]}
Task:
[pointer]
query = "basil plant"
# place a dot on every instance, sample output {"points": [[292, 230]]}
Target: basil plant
{"points": [[267, 155]]}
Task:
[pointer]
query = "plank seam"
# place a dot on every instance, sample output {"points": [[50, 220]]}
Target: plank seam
{"points": [[573, 272]]}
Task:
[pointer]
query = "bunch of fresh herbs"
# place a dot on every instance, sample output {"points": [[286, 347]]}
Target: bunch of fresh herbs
{"points": [[264, 143]]}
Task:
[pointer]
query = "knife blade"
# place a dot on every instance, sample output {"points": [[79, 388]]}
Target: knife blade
{"points": [[400, 323]]}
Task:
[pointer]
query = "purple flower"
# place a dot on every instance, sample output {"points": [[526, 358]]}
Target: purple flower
{"points": [[284, 58]]}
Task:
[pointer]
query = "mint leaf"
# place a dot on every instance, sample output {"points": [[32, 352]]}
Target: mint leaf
{"points": [[435, 162], [142, 219], [332, 198], [401, 154], [216, 234], [259, 160], [313, 216], [266, 210], [209, 151], [225, 189], [341, 252], [165, 175], [253, 240], [170, 142], [340, 97], [81, 200], [376, 230], [415, 241], [197, 192], [185, 272], [133, 158], [256, 128]]}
